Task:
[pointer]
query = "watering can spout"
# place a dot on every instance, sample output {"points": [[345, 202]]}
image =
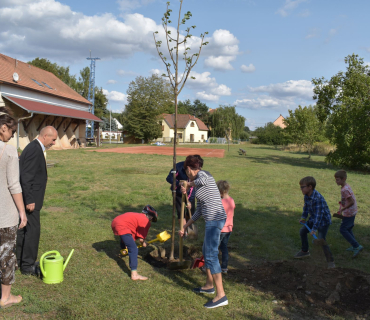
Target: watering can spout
{"points": [[69, 257]]}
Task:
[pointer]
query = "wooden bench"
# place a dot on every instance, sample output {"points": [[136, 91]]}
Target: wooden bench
{"points": [[242, 152]]}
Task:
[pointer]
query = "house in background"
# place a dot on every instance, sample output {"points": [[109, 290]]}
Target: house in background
{"points": [[189, 128], [280, 122], [38, 99]]}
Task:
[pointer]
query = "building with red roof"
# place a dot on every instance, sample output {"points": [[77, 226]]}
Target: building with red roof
{"points": [[38, 98]]}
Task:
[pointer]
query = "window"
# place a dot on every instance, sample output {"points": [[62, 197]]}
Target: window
{"points": [[37, 82], [179, 135], [202, 136], [192, 124], [47, 85]]}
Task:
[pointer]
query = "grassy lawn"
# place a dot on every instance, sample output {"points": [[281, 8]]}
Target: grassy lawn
{"points": [[86, 190]]}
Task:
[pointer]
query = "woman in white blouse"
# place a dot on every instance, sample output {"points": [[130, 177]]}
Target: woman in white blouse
{"points": [[11, 210]]}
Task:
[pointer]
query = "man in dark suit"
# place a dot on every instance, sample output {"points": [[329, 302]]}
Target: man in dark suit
{"points": [[33, 178]]}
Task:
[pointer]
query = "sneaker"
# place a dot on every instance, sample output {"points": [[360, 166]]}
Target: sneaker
{"points": [[337, 215], [200, 290], [224, 271], [331, 265], [357, 250], [350, 249], [219, 303], [302, 254]]}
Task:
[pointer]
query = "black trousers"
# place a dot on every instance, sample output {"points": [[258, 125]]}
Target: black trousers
{"points": [[28, 241]]}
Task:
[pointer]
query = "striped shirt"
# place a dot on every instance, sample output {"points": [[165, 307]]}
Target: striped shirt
{"points": [[209, 204], [316, 206]]}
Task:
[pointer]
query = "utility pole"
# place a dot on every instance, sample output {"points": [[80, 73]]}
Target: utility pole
{"points": [[91, 97]]}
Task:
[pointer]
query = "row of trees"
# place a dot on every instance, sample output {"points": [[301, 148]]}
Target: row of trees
{"points": [[341, 116]]}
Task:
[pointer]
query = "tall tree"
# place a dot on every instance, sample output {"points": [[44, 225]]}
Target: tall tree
{"points": [[224, 118], [345, 101], [147, 98], [176, 79], [270, 135], [199, 109], [304, 128]]}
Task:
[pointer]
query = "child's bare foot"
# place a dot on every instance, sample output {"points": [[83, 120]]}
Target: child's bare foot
{"points": [[135, 276], [10, 301], [138, 277]]}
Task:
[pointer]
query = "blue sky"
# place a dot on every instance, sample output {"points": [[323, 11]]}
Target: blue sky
{"points": [[261, 56]]}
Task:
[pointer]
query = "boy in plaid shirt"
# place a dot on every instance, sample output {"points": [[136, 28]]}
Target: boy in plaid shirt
{"points": [[319, 219]]}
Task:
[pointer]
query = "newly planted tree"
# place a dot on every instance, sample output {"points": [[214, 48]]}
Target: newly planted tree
{"points": [[177, 45]]}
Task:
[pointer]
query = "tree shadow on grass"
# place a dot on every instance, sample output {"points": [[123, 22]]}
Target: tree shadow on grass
{"points": [[296, 162]]}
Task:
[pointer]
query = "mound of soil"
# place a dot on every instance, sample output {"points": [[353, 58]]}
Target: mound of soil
{"points": [[296, 283]]}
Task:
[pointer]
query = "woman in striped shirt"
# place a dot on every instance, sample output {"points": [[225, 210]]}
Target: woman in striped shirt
{"points": [[209, 205]]}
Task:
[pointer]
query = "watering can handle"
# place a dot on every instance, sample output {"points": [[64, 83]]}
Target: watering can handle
{"points": [[42, 260], [69, 257]]}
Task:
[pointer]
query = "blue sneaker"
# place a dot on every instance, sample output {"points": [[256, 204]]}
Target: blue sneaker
{"points": [[350, 249], [357, 250], [200, 290], [219, 303]]}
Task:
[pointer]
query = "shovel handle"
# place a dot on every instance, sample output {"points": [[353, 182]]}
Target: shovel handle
{"points": [[308, 228]]}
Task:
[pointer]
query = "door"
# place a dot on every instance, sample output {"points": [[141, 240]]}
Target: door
{"points": [[191, 138]]}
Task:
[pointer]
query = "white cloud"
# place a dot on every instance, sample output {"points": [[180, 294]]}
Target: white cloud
{"points": [[48, 28], [278, 96], [263, 102], [222, 90], [288, 7], [291, 88], [248, 69], [220, 62], [115, 96], [210, 89], [207, 96], [111, 81]]}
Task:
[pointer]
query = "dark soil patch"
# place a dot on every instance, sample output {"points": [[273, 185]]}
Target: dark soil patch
{"points": [[297, 283]]}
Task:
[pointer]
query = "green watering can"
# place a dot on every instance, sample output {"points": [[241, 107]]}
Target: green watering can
{"points": [[52, 267]]}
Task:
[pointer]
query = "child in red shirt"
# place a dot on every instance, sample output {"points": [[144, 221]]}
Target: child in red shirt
{"points": [[229, 206], [131, 226]]}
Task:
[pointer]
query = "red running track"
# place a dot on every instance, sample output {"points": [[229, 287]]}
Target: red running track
{"points": [[212, 153]]}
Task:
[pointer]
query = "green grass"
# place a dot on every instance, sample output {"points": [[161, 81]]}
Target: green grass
{"points": [[86, 190]]}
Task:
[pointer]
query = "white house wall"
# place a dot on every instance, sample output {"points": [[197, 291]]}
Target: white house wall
{"points": [[195, 131]]}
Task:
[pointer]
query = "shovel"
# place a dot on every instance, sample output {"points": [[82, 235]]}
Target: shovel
{"points": [[182, 264], [193, 229], [198, 263], [161, 237], [316, 241]]}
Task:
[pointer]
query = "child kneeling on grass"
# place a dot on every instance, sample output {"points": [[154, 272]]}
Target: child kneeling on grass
{"points": [[229, 206], [347, 212], [319, 220], [131, 226]]}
